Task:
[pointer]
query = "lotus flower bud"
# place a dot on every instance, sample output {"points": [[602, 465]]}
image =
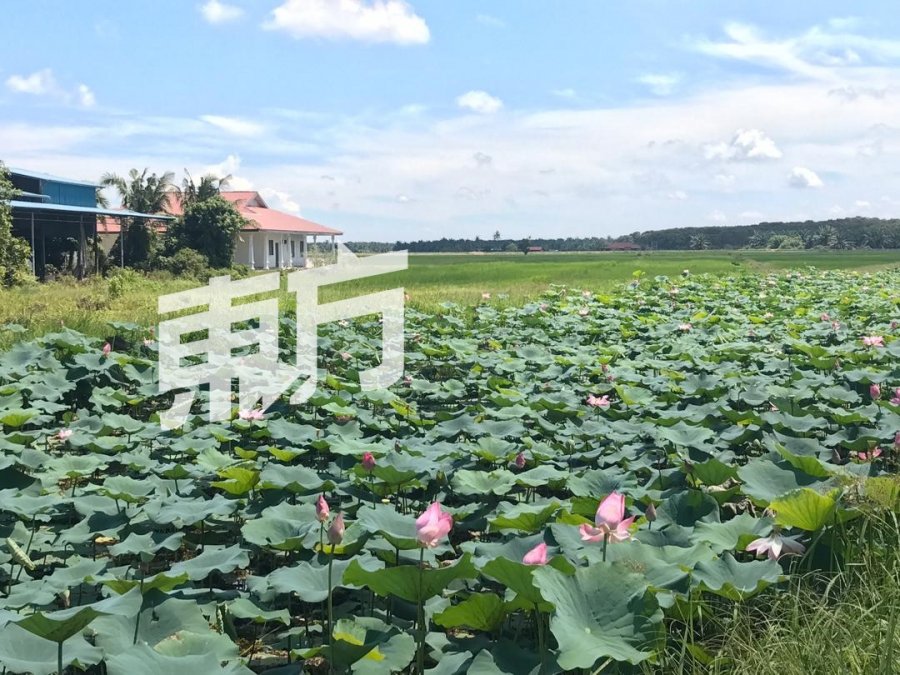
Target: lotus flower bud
{"points": [[322, 510], [650, 513], [520, 461], [368, 462], [336, 531]]}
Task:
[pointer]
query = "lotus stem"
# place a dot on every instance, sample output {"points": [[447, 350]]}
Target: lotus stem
{"points": [[605, 545], [420, 652], [330, 615], [59, 660]]}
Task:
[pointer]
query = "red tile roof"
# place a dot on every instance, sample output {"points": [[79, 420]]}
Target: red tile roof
{"points": [[261, 217], [113, 225]]}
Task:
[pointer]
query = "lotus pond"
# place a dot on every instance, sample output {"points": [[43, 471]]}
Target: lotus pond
{"points": [[734, 430]]}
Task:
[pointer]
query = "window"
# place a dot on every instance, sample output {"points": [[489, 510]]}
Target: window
{"points": [[293, 254], [271, 247]]}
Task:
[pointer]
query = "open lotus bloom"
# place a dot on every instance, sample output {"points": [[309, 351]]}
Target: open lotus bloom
{"points": [[598, 401], [433, 525], [537, 555], [775, 545], [873, 341], [609, 522]]}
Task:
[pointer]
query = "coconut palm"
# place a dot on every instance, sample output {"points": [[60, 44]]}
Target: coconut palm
{"points": [[143, 192], [209, 186]]}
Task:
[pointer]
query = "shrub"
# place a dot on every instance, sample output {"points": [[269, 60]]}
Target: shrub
{"points": [[187, 263]]}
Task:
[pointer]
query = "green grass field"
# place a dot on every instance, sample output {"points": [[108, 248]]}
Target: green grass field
{"points": [[430, 281]]}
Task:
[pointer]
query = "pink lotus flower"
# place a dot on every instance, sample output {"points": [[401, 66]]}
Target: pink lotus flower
{"points": [[869, 456], [251, 415], [774, 545], [824, 316], [684, 327], [897, 440], [346, 356], [536, 556], [520, 460], [609, 521], [64, 434], [107, 348], [322, 510], [873, 341], [584, 311], [368, 462], [835, 325], [894, 325], [336, 531], [874, 391], [598, 401], [895, 399], [485, 296], [433, 525]]}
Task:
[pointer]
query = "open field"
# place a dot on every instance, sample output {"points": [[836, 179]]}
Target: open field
{"points": [[430, 281]]}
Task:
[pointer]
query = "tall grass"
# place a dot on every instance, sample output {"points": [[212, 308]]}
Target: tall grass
{"points": [[841, 623]]}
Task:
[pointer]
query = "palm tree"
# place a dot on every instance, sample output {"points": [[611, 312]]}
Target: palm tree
{"points": [[209, 186], [145, 194]]}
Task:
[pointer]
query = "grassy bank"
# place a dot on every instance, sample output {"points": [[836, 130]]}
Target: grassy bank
{"points": [[430, 281]]}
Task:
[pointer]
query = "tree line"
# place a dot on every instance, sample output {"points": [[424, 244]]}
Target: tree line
{"points": [[841, 233]]}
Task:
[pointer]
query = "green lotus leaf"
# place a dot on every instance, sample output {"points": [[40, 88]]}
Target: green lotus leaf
{"points": [[211, 560], [404, 581], [735, 580], [527, 518], [243, 608], [25, 652], [62, 625], [602, 611], [498, 482], [806, 509], [480, 611]]}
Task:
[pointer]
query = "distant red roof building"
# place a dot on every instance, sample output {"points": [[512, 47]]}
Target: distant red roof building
{"points": [[623, 246], [535, 249], [253, 207]]}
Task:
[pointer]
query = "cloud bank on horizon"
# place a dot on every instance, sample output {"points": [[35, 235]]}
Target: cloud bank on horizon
{"points": [[396, 119]]}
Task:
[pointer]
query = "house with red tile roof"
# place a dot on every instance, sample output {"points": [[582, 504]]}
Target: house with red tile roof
{"points": [[271, 239]]}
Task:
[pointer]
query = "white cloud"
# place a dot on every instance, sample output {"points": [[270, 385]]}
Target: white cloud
{"points": [[216, 12], [565, 93], [490, 20], [820, 53], [280, 200], [234, 125], [801, 177], [717, 216], [392, 21], [44, 83], [39, 83], [661, 84], [862, 204], [86, 97], [480, 102], [747, 144]]}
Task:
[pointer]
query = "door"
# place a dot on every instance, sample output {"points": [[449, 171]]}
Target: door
{"points": [[277, 254]]}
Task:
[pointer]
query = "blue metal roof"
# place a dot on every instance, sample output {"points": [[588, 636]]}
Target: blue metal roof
{"points": [[47, 176], [122, 213], [43, 198]]}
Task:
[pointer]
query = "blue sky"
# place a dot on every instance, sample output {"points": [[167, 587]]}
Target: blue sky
{"points": [[428, 118]]}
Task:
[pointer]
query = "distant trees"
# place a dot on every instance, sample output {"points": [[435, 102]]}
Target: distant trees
{"points": [[143, 192], [15, 253]]}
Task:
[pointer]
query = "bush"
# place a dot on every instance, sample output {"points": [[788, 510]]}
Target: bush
{"points": [[122, 281], [187, 263]]}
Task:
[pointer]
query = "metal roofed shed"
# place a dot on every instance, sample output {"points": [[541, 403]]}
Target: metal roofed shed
{"points": [[57, 216]]}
